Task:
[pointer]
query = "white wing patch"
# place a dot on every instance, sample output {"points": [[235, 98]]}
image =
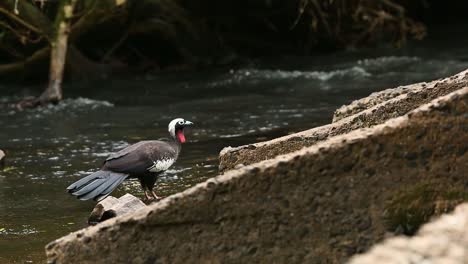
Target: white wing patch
{"points": [[161, 165]]}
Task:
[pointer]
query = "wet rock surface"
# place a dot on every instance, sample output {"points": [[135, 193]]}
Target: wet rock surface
{"points": [[367, 112], [441, 241], [323, 203]]}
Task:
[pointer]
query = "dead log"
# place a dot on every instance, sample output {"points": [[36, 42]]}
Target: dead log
{"points": [[112, 207]]}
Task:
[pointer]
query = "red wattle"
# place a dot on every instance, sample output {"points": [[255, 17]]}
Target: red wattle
{"points": [[180, 136]]}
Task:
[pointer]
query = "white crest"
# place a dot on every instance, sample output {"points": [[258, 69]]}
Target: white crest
{"points": [[172, 125]]}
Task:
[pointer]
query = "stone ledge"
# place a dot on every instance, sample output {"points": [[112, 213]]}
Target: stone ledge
{"points": [[375, 109], [375, 99], [320, 204], [385, 95]]}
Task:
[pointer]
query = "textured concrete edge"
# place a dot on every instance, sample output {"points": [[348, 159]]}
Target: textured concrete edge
{"points": [[198, 191], [375, 98], [440, 241], [385, 95], [231, 157]]}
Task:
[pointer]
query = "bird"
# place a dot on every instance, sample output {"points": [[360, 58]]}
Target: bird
{"points": [[144, 160]]}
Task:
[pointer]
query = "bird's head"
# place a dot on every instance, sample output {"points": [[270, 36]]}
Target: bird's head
{"points": [[176, 129]]}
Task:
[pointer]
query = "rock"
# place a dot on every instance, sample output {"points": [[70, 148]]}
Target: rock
{"points": [[238, 166], [431, 89], [2, 159], [111, 207], [319, 204], [441, 241], [367, 112], [375, 99], [98, 211]]}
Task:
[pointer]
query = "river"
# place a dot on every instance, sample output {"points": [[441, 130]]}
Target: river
{"points": [[51, 147]]}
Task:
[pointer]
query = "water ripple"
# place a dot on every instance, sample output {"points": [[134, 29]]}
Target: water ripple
{"points": [[69, 106], [27, 230], [256, 75], [387, 61]]}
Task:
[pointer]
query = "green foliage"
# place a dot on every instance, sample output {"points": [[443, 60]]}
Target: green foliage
{"points": [[413, 206], [174, 32]]}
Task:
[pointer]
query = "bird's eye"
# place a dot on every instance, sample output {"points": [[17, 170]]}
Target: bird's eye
{"points": [[181, 122]]}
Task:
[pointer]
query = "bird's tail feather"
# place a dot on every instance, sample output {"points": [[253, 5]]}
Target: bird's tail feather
{"points": [[105, 192], [96, 186]]}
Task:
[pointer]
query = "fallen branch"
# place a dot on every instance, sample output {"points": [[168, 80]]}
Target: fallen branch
{"points": [[2, 159], [29, 16], [21, 66]]}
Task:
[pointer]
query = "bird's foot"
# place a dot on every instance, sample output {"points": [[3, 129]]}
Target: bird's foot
{"points": [[155, 196]]}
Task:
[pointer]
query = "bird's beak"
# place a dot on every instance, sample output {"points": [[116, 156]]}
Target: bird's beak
{"points": [[188, 123]]}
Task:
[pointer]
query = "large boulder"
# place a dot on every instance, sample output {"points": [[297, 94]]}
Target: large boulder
{"points": [[321, 204], [375, 109]]}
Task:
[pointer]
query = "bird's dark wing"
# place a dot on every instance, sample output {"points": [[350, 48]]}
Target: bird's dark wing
{"points": [[132, 163], [127, 150], [138, 158]]}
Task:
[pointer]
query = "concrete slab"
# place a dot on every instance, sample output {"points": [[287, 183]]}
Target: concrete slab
{"points": [[367, 112], [323, 203]]}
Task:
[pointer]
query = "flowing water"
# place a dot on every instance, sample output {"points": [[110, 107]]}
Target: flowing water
{"points": [[51, 147]]}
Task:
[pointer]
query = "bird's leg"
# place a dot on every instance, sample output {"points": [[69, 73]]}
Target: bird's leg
{"points": [[148, 196], [151, 182], [146, 190]]}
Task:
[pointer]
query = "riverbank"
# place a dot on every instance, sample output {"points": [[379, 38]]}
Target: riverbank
{"points": [[114, 37], [326, 201]]}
